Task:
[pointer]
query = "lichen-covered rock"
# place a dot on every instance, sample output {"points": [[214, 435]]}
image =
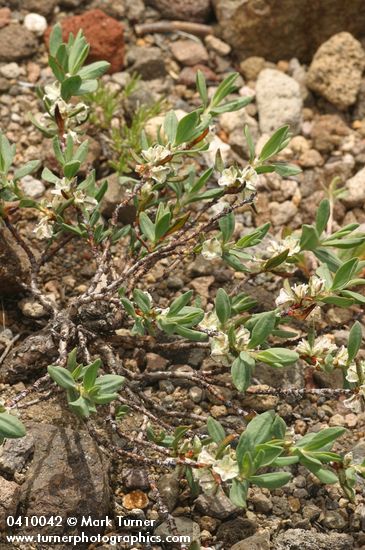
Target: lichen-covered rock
{"points": [[104, 34], [259, 541], [336, 69], [282, 29], [16, 43], [67, 477], [187, 10], [279, 101]]}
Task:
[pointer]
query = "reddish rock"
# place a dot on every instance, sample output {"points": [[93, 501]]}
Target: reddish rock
{"points": [[104, 34]]}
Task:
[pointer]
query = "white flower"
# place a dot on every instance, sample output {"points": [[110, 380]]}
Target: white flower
{"points": [[351, 374], [321, 347], [212, 249], [160, 173], [229, 177], [219, 349], [210, 321], [316, 286], [242, 338], [300, 291], [249, 175], [357, 401], [44, 229], [226, 468], [284, 299], [205, 457], [61, 185], [156, 154], [289, 243], [52, 92], [84, 200], [341, 357]]}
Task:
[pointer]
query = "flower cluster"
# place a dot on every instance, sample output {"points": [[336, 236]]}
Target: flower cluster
{"points": [[156, 166], [356, 375], [301, 294], [234, 176]]}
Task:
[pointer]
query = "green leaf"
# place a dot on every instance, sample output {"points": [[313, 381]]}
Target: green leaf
{"points": [[222, 306], [271, 481], [215, 430], [258, 431], [62, 377], [142, 300], [49, 176], [241, 371], [180, 302], [263, 327], [275, 261], [162, 226], [190, 334], [355, 338], [10, 426], [70, 87], [266, 454], [286, 170], [109, 383], [231, 106], [323, 214], [147, 226], [285, 461], [72, 360], [90, 374], [344, 274], [55, 39], [170, 126], [354, 296], [275, 144], [226, 225], [201, 86], [71, 168], [309, 239], [328, 258], [238, 493], [225, 88], [7, 153], [80, 407], [250, 143], [27, 169], [186, 127], [277, 357], [321, 439], [253, 238], [94, 70]]}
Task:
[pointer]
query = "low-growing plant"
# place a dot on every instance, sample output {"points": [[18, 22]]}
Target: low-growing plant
{"points": [[185, 209]]}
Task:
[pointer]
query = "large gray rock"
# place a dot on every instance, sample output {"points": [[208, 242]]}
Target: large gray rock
{"points": [[282, 29], [67, 477], [14, 265], [185, 527], [16, 43], [279, 101], [260, 541], [336, 69], [14, 454], [187, 10], [299, 539], [218, 506]]}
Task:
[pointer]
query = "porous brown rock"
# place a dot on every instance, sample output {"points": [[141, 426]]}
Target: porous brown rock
{"points": [[16, 43], [336, 69], [104, 34], [282, 29], [9, 499]]}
